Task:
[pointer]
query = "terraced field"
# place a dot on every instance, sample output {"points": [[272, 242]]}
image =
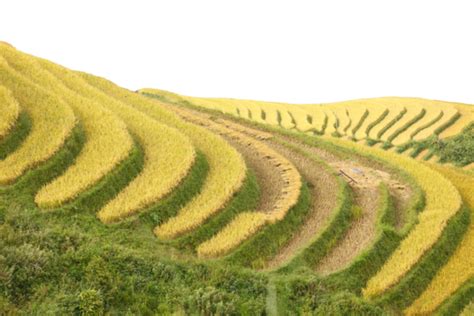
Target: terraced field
{"points": [[149, 202]]}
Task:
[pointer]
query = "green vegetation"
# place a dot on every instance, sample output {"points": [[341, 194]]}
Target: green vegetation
{"points": [[14, 138]]}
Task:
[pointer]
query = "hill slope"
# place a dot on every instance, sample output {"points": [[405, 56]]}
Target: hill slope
{"points": [[115, 202]]}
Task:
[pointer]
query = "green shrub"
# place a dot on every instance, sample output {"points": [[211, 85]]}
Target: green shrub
{"points": [[211, 301], [345, 303]]}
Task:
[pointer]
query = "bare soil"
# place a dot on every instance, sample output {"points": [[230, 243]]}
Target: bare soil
{"points": [[268, 177], [359, 235], [324, 187]]}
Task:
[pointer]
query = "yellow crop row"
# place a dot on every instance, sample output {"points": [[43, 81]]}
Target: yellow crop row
{"points": [[52, 122], [169, 96], [309, 120], [442, 201], [467, 117], [344, 116], [249, 131], [194, 214], [10, 110], [356, 115], [240, 229], [246, 224], [107, 140], [421, 127], [168, 153], [460, 267], [410, 113], [375, 112], [226, 166]]}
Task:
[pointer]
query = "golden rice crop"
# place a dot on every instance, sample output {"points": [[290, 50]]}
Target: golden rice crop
{"points": [[170, 96], [467, 117], [214, 104], [10, 110], [168, 153], [241, 228], [243, 129], [198, 211], [375, 112], [460, 267], [358, 116], [344, 121], [442, 202], [107, 143], [226, 166], [272, 116], [332, 123], [448, 114], [309, 118], [246, 224], [302, 122], [411, 112], [432, 114], [400, 136], [52, 122], [338, 119]]}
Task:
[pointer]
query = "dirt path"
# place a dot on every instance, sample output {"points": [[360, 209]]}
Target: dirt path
{"points": [[268, 178], [358, 236], [324, 189], [271, 301]]}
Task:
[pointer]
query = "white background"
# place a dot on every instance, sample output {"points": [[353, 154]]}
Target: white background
{"points": [[293, 51]]}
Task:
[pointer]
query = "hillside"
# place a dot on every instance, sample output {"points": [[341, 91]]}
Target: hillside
{"points": [[150, 202]]}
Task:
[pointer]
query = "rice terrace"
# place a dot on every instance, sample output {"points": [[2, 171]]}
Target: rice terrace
{"points": [[149, 202]]}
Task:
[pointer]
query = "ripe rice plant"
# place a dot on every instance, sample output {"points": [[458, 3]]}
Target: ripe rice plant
{"points": [[410, 117], [241, 228], [427, 121], [243, 129], [226, 166], [349, 123], [396, 137], [168, 153], [460, 267], [192, 216], [466, 117], [108, 142], [389, 124], [395, 112], [52, 123], [359, 116], [315, 124], [378, 119], [10, 111], [437, 126]]}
